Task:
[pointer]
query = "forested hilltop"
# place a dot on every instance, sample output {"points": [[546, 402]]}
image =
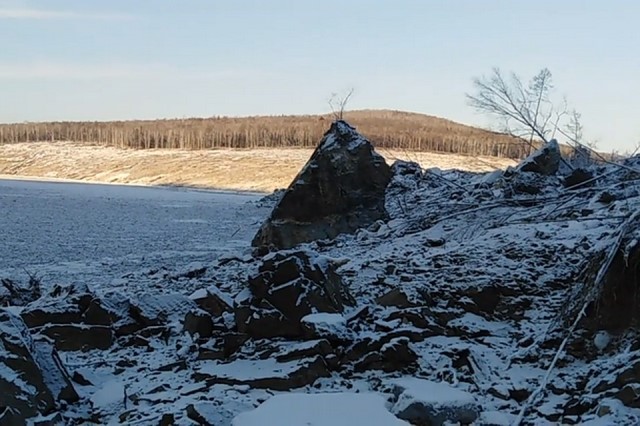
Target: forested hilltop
{"points": [[385, 128]]}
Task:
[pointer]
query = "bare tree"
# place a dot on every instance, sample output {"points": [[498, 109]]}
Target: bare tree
{"points": [[527, 110], [338, 103]]}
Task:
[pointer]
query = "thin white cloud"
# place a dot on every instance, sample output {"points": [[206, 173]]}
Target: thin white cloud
{"points": [[67, 71], [42, 14]]}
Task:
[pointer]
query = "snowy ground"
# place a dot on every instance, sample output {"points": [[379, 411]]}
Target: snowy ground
{"points": [[487, 270]]}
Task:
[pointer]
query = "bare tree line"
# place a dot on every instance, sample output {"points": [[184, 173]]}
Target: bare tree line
{"points": [[386, 129]]}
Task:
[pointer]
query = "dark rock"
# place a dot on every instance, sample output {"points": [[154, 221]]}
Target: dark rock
{"points": [[340, 189], [288, 376], [395, 354], [287, 287], [37, 381], [14, 294], [486, 298], [79, 337], [191, 274], [150, 310], [167, 419], [212, 300], [422, 402], [332, 327], [298, 283], [194, 413], [76, 309], [434, 242], [519, 395], [80, 379], [544, 161], [577, 177], [232, 342], [320, 347], [198, 322], [395, 297], [263, 321], [629, 395], [62, 305]]}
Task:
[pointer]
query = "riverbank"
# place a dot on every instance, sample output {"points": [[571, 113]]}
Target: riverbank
{"points": [[257, 170]]}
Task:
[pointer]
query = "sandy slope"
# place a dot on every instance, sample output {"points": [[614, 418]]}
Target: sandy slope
{"points": [[255, 170]]}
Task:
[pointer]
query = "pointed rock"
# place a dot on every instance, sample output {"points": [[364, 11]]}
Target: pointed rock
{"points": [[340, 189]]}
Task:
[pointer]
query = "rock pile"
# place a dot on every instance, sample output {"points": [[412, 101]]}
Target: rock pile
{"points": [[448, 302]]}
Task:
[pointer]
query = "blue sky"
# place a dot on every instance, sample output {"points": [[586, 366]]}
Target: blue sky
{"points": [[123, 59]]}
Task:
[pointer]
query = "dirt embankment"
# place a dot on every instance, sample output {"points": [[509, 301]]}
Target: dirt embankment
{"points": [[231, 169]]}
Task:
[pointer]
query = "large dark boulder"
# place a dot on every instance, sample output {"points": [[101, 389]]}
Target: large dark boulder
{"points": [[340, 189], [33, 381]]}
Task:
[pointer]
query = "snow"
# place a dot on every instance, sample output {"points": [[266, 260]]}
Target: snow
{"points": [[110, 393], [326, 323], [243, 370], [601, 340], [435, 394], [325, 319], [320, 409]]}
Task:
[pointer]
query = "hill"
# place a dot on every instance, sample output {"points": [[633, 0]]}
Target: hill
{"points": [[386, 129]]}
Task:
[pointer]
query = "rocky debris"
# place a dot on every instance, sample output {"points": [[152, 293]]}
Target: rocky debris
{"points": [[396, 297], [33, 380], [395, 355], [158, 310], [195, 413], [76, 337], [325, 325], [287, 287], [545, 160], [74, 317], [340, 189], [264, 373], [578, 178], [212, 300], [15, 294], [310, 348], [431, 403], [198, 322]]}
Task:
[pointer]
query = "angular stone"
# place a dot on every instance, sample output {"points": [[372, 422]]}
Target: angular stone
{"points": [[212, 300], [265, 374], [311, 348], [545, 161], [340, 189], [32, 377], [432, 403], [198, 322], [395, 297], [79, 337], [152, 310]]}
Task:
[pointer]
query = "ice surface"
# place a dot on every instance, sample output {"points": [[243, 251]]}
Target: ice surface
{"points": [[320, 409], [103, 234]]}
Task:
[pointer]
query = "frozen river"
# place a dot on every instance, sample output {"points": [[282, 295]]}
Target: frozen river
{"points": [[73, 232]]}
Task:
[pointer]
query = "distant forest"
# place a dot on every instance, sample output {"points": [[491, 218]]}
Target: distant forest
{"points": [[386, 129]]}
